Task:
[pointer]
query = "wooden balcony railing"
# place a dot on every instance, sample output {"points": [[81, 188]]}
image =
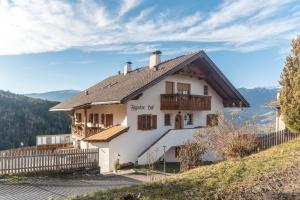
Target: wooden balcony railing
{"points": [[184, 102], [79, 131]]}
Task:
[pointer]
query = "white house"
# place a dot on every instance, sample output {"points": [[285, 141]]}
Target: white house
{"points": [[130, 116], [280, 125]]}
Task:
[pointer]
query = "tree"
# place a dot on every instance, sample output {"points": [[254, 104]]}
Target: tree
{"points": [[290, 88]]}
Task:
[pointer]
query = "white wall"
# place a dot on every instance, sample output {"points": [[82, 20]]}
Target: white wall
{"points": [[280, 125], [130, 144]]}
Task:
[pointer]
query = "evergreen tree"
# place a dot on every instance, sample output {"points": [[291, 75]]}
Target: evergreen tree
{"points": [[290, 88]]}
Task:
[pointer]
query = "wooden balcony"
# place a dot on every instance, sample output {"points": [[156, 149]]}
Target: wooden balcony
{"points": [[79, 131], [184, 102]]}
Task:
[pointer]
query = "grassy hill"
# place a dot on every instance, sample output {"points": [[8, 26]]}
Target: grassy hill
{"points": [[22, 118], [264, 173]]}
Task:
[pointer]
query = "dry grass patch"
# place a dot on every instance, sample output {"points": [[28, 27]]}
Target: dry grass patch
{"points": [[213, 181]]}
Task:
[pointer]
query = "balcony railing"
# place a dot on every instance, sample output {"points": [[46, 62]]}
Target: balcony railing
{"points": [[184, 102], [79, 131]]}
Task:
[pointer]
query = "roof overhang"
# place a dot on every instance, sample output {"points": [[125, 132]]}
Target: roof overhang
{"points": [[234, 100], [105, 102], [62, 109]]}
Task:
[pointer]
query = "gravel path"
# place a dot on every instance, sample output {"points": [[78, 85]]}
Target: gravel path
{"points": [[60, 188]]}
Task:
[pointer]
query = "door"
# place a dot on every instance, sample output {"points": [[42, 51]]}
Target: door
{"points": [[178, 121]]}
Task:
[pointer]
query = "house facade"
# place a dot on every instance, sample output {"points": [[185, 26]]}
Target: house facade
{"points": [[136, 115], [280, 125]]}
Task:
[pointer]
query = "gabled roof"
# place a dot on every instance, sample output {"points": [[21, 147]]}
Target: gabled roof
{"points": [[122, 88], [108, 134]]}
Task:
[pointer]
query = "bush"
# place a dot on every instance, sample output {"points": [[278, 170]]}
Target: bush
{"points": [[230, 140], [190, 153]]}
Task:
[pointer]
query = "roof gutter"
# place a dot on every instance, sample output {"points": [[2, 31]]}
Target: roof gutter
{"points": [[105, 102]]}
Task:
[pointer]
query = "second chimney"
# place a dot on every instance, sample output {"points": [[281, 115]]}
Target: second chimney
{"points": [[154, 59], [127, 68]]}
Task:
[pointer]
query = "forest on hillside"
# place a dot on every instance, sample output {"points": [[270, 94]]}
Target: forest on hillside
{"points": [[22, 118]]}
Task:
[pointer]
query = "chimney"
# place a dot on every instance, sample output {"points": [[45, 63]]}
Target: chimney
{"points": [[127, 68], [154, 59]]}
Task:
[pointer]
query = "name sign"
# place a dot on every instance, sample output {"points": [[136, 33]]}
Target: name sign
{"points": [[141, 107]]}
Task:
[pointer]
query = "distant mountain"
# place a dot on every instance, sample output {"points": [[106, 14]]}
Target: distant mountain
{"points": [[22, 118], [59, 96], [258, 97]]}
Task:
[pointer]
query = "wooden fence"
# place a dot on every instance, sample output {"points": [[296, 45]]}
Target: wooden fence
{"points": [[35, 160], [276, 138]]}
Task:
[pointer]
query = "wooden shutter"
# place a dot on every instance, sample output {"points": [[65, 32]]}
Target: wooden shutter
{"points": [[102, 119], [96, 118], [109, 120], [91, 116], [169, 87], [140, 122], [154, 121]]}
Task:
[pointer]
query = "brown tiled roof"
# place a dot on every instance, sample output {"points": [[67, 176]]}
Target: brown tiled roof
{"points": [[108, 134], [273, 103], [122, 88]]}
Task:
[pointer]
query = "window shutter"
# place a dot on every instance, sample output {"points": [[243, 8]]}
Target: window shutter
{"points": [[102, 118], [154, 122], [169, 87], [140, 122], [96, 119]]}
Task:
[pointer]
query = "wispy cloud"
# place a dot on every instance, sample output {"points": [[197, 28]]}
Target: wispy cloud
{"points": [[34, 26]]}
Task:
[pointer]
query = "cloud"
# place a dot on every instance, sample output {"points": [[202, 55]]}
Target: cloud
{"points": [[128, 5], [35, 26]]}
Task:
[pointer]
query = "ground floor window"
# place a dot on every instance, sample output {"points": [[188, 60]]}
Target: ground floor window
{"points": [[189, 119], [177, 149], [167, 119], [147, 122]]}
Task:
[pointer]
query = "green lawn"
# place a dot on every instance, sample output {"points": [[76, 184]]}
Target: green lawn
{"points": [[159, 167], [212, 180]]}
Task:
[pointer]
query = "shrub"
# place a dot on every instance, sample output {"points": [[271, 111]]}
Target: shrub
{"points": [[230, 140], [190, 153]]}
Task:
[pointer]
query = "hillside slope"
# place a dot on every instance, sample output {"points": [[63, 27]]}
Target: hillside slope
{"points": [[270, 174], [22, 118]]}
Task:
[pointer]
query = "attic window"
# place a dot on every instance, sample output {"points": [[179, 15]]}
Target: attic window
{"points": [[110, 85]]}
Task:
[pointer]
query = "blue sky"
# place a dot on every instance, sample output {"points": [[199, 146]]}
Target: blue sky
{"points": [[55, 45]]}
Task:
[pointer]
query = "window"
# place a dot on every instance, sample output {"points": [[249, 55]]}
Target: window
{"points": [[212, 120], [183, 88], [96, 118], [78, 117], [167, 120], [91, 118], [177, 149], [169, 87], [189, 119], [147, 122], [205, 91]]}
